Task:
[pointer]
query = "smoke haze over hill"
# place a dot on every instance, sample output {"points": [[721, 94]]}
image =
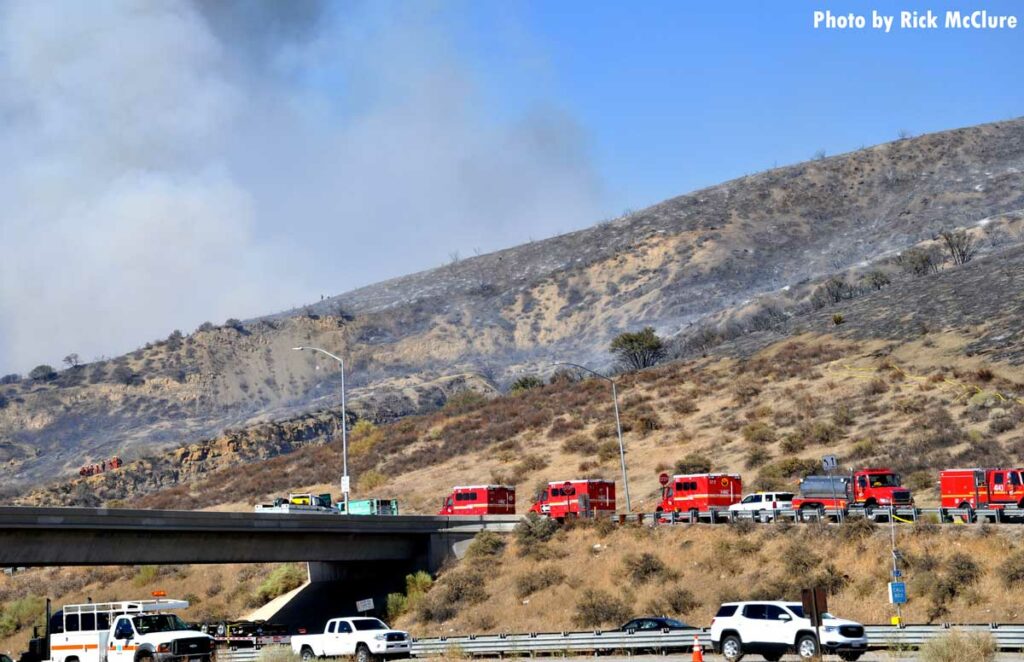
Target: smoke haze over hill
{"points": [[170, 163]]}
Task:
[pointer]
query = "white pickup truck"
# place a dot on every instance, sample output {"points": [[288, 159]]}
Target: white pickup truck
{"points": [[368, 639]]}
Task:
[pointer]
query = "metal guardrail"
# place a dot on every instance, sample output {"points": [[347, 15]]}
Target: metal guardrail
{"points": [[1008, 638], [904, 514]]}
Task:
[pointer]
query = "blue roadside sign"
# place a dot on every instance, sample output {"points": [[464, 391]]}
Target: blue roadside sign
{"points": [[897, 573], [898, 593]]}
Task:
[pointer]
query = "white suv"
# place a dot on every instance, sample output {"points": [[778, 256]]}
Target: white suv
{"points": [[762, 504], [772, 629]]}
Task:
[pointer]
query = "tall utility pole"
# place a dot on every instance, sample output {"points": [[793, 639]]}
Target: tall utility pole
{"points": [[345, 483], [618, 426]]}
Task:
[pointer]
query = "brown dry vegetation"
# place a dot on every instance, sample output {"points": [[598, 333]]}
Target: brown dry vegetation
{"points": [[770, 417], [687, 571]]}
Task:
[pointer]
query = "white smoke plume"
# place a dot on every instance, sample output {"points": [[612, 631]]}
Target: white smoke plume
{"points": [[166, 163]]}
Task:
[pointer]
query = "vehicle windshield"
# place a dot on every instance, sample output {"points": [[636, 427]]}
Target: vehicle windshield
{"points": [[884, 480], [798, 610], [158, 623], [368, 624]]}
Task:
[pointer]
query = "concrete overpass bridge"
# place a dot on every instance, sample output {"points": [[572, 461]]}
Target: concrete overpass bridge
{"points": [[106, 536], [349, 557]]}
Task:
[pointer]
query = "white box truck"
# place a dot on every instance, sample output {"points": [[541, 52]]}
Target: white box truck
{"points": [[130, 631]]}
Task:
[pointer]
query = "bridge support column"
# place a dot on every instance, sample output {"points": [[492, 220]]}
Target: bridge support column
{"points": [[445, 547]]}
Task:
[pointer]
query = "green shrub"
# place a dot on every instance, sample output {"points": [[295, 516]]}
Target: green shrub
{"points": [[464, 401], [21, 613], [486, 545], [457, 590], [580, 444], [792, 443], [962, 569], [371, 479], [538, 580], [756, 456], [608, 450], [1012, 570], [758, 433], [282, 579], [596, 608], [42, 372], [642, 568], [525, 383], [674, 601], [693, 464], [145, 575], [639, 350], [532, 533], [397, 604]]}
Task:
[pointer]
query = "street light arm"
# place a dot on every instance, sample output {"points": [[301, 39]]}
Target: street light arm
{"points": [[322, 351], [585, 368]]}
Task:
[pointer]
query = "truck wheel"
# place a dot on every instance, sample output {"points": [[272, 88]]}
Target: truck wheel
{"points": [[307, 654], [143, 656], [363, 654], [732, 648], [850, 656], [967, 517], [807, 647]]}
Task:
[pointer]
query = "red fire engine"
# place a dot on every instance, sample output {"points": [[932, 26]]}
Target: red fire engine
{"points": [[980, 489], [480, 500], [576, 498], [869, 488], [700, 493]]}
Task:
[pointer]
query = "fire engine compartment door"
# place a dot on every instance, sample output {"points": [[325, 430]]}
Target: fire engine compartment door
{"points": [[583, 503]]}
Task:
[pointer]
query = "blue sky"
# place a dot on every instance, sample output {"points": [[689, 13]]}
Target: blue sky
{"points": [[678, 95]]}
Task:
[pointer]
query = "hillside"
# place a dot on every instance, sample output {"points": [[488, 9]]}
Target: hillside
{"points": [[917, 375], [414, 341], [920, 374]]}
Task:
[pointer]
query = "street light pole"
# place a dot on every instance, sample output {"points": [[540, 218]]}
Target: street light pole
{"points": [[618, 425], [344, 424]]}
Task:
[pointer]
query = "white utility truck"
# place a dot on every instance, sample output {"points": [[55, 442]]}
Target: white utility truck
{"points": [[368, 639], [132, 631]]}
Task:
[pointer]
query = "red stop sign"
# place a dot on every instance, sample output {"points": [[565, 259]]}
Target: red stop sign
{"points": [[663, 479], [568, 489]]}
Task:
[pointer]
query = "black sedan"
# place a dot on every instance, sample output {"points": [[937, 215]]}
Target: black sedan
{"points": [[656, 623]]}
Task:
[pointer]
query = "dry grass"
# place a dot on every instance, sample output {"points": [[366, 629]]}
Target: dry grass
{"points": [[713, 564], [769, 417]]}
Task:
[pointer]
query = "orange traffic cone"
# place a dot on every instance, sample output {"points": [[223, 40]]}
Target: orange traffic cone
{"points": [[698, 650]]}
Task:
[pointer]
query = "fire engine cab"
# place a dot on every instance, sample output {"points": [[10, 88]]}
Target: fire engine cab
{"points": [[700, 493], [480, 500], [576, 498], [980, 489]]}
